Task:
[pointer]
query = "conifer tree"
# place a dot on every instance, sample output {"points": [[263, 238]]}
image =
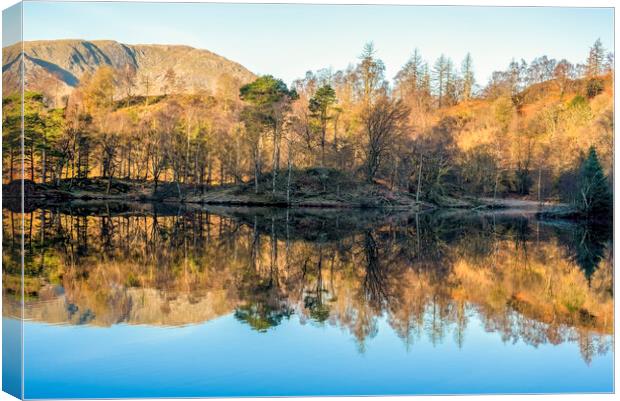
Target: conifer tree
{"points": [[409, 78], [441, 71], [595, 196], [319, 106], [467, 69], [595, 59]]}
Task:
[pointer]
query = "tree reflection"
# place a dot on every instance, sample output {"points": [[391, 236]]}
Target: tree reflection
{"points": [[587, 244], [262, 316], [426, 274]]}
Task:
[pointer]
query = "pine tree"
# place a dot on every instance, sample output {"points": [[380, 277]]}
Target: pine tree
{"points": [[371, 71], [319, 106], [517, 76], [409, 77], [595, 59], [595, 197], [467, 69], [609, 62], [440, 71], [451, 84], [425, 83]]}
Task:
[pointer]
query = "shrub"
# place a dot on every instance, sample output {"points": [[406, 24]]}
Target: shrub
{"points": [[594, 87]]}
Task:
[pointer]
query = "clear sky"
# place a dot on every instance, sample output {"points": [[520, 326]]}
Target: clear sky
{"points": [[288, 40]]}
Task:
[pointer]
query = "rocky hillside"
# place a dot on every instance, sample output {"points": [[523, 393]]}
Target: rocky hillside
{"points": [[56, 67]]}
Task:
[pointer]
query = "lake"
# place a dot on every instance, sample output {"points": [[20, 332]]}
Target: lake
{"points": [[157, 300]]}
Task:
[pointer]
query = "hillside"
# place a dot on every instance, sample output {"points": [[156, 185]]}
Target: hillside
{"points": [[56, 67], [547, 125]]}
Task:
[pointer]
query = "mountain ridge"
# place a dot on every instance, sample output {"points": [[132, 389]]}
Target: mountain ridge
{"points": [[56, 67]]}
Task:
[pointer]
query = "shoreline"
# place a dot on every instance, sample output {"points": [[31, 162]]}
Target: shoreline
{"points": [[358, 196], [466, 204]]}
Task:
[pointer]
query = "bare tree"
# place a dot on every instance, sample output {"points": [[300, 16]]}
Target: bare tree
{"points": [[383, 122]]}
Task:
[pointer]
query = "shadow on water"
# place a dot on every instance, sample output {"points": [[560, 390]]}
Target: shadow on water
{"points": [[169, 264]]}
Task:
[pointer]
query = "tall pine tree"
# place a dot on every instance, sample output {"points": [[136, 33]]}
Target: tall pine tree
{"points": [[467, 70], [594, 195], [596, 59]]}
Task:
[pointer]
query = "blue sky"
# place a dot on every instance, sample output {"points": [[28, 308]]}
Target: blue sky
{"points": [[288, 40]]}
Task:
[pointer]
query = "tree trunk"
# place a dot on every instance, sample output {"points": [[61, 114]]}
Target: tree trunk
{"points": [[221, 173], [187, 152], [83, 169], [32, 162], [288, 179], [256, 171], [176, 178], [43, 166], [393, 178], [73, 157], [323, 129], [539, 185], [11, 173], [146, 170], [129, 164], [202, 179], [237, 161], [109, 186], [209, 172], [276, 161], [336, 152], [417, 193]]}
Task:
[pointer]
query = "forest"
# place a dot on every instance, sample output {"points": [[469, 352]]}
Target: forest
{"points": [[540, 130]]}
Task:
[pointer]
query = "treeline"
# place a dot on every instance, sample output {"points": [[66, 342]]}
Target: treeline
{"points": [[432, 131]]}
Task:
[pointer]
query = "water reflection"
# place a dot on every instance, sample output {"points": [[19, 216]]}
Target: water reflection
{"points": [[104, 264]]}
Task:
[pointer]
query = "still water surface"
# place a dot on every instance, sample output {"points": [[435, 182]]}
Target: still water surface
{"points": [[153, 300]]}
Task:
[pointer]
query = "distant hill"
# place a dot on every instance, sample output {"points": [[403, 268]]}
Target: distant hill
{"points": [[56, 67]]}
